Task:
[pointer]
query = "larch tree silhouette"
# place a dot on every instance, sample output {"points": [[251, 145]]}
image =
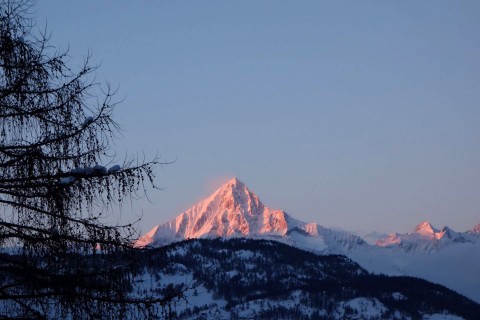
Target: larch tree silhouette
{"points": [[59, 258]]}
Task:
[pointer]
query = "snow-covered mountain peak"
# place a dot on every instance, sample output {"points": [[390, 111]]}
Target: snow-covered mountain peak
{"points": [[426, 229], [476, 229], [232, 210], [235, 211], [234, 195], [447, 233], [233, 185], [391, 239]]}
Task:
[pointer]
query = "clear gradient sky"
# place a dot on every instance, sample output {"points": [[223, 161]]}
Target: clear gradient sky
{"points": [[363, 115]]}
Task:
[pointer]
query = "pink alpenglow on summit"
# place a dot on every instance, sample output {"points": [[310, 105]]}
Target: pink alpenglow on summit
{"points": [[476, 229], [235, 211]]}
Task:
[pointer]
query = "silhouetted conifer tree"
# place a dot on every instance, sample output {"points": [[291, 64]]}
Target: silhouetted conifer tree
{"points": [[59, 258]]}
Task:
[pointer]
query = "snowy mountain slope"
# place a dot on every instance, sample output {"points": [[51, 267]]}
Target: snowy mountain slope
{"points": [[259, 279], [234, 211]]}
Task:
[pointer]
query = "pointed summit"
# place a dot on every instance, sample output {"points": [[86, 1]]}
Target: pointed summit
{"points": [[425, 228], [235, 182], [232, 210], [476, 229], [233, 186], [235, 194]]}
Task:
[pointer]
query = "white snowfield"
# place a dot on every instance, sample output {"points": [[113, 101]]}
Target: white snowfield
{"points": [[442, 256]]}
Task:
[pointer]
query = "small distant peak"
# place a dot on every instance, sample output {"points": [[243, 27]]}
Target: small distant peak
{"points": [[424, 224], [476, 229], [391, 239], [446, 229], [425, 227]]}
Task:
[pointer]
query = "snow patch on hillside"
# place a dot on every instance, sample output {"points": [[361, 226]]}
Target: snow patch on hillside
{"points": [[362, 308]]}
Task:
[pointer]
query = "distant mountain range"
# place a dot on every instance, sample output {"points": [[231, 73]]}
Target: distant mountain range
{"points": [[233, 211], [425, 237]]}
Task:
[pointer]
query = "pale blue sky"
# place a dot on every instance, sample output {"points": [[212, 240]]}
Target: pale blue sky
{"points": [[363, 115]]}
